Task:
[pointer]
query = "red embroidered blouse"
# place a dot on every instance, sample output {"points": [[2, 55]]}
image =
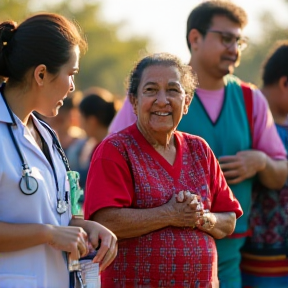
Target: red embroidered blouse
{"points": [[126, 171]]}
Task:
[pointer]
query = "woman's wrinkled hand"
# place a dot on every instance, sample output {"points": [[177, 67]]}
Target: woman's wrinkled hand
{"points": [[184, 209], [206, 220]]}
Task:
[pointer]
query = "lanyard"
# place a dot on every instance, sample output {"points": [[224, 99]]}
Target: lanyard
{"points": [[28, 184]]}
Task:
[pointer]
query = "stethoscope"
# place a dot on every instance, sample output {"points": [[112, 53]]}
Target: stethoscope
{"points": [[28, 184]]}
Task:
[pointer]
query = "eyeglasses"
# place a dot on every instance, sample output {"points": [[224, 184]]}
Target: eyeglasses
{"points": [[228, 39]]}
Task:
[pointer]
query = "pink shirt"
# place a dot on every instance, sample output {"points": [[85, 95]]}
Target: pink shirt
{"points": [[264, 128]]}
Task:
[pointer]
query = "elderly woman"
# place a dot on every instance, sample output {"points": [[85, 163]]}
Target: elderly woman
{"points": [[160, 191]]}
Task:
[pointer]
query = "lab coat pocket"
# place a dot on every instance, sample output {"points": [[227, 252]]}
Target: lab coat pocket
{"points": [[17, 281]]}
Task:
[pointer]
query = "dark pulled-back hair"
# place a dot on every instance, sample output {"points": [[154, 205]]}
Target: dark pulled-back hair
{"points": [[276, 64], [44, 38], [187, 78], [98, 102], [201, 17]]}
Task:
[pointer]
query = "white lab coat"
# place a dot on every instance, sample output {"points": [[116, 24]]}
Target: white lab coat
{"points": [[41, 266]]}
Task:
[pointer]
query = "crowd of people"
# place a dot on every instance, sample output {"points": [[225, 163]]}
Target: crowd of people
{"points": [[184, 186]]}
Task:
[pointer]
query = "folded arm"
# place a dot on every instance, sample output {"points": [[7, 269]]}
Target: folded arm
{"points": [[14, 237], [130, 222], [274, 174], [219, 225], [246, 164]]}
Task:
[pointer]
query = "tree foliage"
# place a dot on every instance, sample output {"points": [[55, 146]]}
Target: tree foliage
{"points": [[108, 59], [250, 69]]}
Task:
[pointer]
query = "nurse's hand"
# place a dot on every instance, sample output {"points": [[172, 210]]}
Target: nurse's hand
{"points": [[104, 241], [69, 239]]}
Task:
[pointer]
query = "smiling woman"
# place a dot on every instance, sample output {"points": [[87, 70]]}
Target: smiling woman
{"points": [[161, 99], [160, 191]]}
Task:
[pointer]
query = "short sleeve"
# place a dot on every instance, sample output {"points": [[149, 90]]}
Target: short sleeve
{"points": [[265, 129], [109, 182], [223, 197]]}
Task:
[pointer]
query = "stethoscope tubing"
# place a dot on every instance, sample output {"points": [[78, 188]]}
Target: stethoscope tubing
{"points": [[25, 167]]}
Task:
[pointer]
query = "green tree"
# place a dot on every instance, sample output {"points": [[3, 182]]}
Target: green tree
{"points": [[108, 59], [257, 51]]}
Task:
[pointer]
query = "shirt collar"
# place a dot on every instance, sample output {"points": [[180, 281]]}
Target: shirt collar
{"points": [[4, 113]]}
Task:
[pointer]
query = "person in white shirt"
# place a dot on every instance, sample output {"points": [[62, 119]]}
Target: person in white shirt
{"points": [[38, 60]]}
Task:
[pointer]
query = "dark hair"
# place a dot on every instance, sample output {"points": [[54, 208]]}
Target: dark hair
{"points": [[71, 101], [276, 64], [201, 17], [187, 78], [44, 38], [94, 104], [68, 104]]}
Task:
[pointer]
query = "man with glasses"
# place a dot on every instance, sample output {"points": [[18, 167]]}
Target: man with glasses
{"points": [[218, 114], [228, 39]]}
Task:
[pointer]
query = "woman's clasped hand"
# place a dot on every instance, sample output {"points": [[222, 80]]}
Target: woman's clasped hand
{"points": [[204, 219]]}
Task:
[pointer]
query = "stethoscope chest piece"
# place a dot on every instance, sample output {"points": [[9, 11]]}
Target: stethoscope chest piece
{"points": [[61, 206], [28, 184]]}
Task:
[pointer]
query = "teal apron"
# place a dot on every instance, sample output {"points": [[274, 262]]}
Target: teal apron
{"points": [[227, 136]]}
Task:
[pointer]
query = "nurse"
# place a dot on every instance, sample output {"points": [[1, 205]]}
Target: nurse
{"points": [[38, 60]]}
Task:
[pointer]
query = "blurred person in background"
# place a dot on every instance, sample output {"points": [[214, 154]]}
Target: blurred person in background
{"points": [[66, 123], [96, 113], [218, 114], [264, 257]]}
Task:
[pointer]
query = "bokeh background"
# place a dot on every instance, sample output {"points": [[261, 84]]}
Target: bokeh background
{"points": [[121, 31]]}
